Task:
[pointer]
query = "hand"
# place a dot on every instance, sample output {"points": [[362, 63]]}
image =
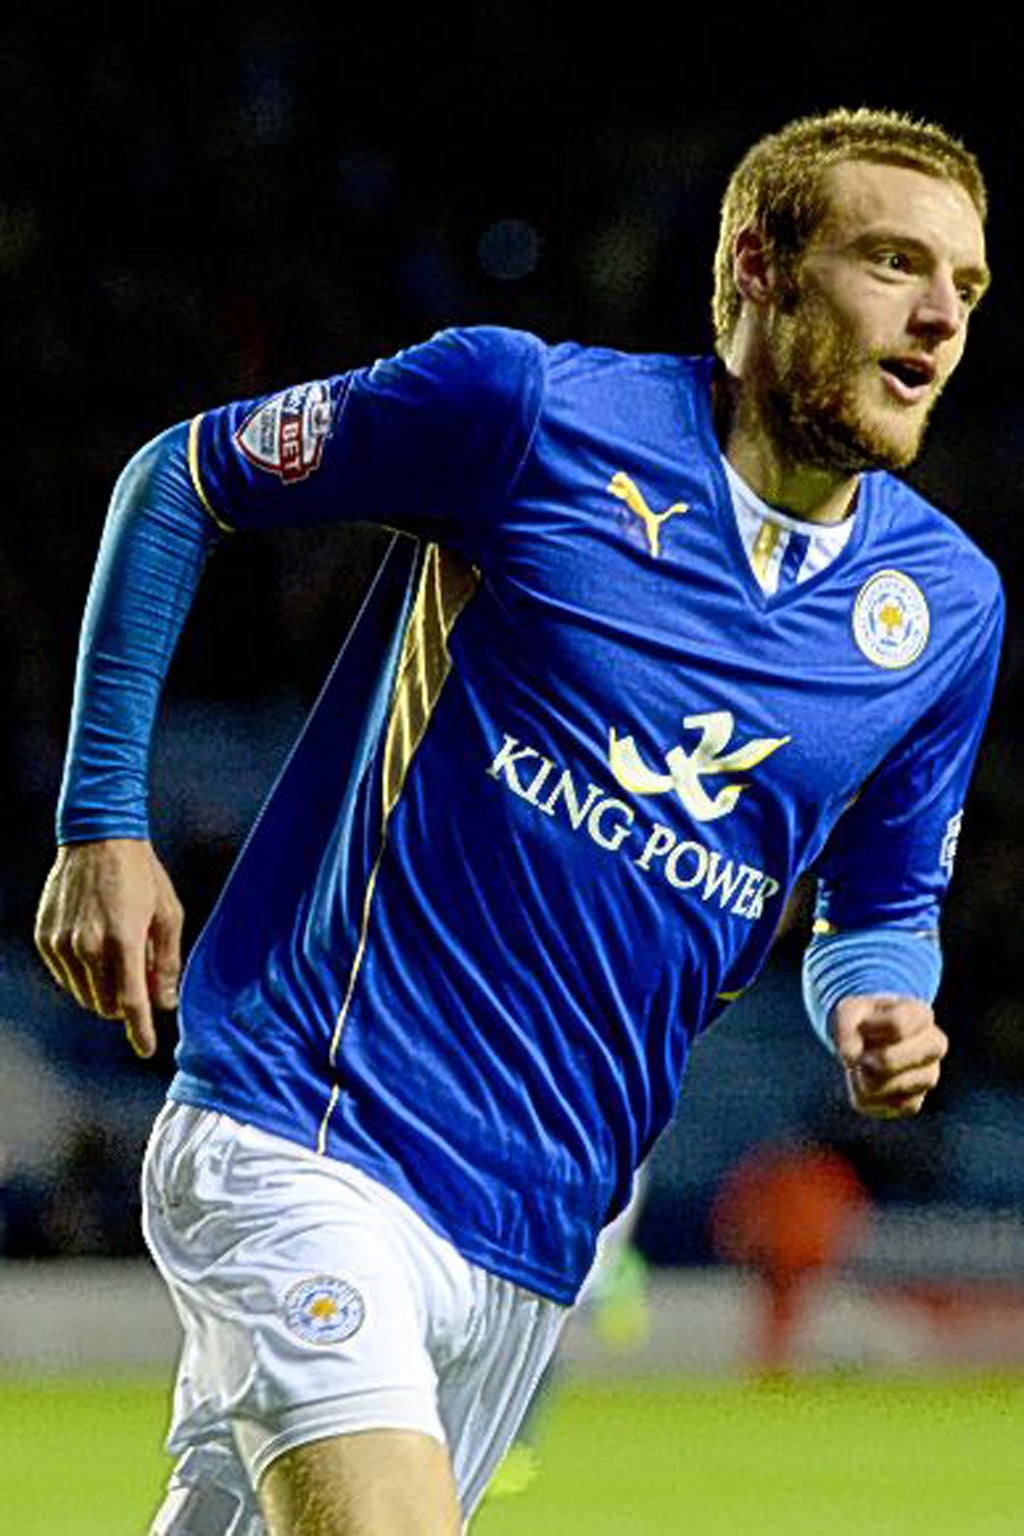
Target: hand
{"points": [[892, 1050], [109, 930]]}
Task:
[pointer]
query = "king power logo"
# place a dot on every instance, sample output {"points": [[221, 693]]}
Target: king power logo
{"points": [[688, 770], [657, 850]]}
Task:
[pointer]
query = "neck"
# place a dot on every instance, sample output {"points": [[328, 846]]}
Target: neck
{"points": [[816, 495]]}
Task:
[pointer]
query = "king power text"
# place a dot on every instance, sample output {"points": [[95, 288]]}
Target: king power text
{"points": [[612, 825]]}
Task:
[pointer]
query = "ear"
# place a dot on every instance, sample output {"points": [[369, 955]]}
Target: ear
{"points": [[752, 269]]}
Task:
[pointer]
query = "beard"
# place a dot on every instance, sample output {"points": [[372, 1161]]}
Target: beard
{"points": [[811, 405]]}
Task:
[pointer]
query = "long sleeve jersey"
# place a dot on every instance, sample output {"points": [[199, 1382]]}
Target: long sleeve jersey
{"points": [[544, 817]]}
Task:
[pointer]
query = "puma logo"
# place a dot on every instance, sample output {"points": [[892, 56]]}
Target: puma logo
{"points": [[628, 491]]}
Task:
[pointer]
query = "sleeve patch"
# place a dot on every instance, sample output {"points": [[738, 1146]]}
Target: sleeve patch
{"points": [[285, 435], [950, 840]]}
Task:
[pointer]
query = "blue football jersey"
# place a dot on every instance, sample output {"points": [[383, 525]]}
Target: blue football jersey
{"points": [[543, 820]]}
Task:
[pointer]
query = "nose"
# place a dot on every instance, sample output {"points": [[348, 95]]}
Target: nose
{"points": [[939, 312]]}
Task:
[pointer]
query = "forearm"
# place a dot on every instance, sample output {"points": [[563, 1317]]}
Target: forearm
{"points": [[155, 543]]}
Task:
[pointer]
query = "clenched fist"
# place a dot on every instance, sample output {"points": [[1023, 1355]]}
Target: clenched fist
{"points": [[892, 1050]]}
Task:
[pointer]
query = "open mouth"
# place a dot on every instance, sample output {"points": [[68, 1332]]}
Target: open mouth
{"points": [[909, 378]]}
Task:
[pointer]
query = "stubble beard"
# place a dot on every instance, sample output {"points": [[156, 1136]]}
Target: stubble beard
{"points": [[810, 402]]}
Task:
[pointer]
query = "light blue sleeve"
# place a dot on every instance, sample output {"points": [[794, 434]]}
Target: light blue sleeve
{"points": [[868, 962], [155, 543]]}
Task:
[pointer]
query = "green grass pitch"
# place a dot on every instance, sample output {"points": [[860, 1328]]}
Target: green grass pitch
{"points": [[848, 1457]]}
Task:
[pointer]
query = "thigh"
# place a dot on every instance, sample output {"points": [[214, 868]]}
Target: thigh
{"points": [[375, 1483]]}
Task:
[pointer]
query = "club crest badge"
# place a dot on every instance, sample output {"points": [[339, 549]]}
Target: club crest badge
{"points": [[286, 433], [891, 621], [323, 1309]]}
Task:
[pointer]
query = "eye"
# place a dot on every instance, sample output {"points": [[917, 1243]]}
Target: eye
{"points": [[893, 261], [968, 295]]}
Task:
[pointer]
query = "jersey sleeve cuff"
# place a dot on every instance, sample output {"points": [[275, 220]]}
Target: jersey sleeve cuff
{"points": [[868, 962]]}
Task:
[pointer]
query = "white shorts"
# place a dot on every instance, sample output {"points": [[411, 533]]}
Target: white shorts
{"points": [[315, 1302]]}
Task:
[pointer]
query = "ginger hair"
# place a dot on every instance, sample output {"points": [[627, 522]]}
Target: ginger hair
{"points": [[779, 186]]}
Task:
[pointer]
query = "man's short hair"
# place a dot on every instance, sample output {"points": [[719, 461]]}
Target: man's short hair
{"points": [[779, 186]]}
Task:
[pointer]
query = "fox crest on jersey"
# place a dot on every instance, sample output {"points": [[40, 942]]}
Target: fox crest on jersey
{"points": [[286, 433], [891, 620]]}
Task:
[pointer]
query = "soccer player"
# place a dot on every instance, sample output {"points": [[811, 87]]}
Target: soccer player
{"points": [[654, 636]]}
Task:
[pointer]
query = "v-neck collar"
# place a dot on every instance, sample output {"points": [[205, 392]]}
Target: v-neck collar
{"points": [[725, 513]]}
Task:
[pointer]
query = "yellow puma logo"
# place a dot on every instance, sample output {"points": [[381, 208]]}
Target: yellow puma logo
{"points": [[628, 491]]}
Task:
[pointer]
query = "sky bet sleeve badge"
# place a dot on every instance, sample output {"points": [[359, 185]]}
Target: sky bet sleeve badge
{"points": [[323, 1310], [891, 620], [286, 433]]}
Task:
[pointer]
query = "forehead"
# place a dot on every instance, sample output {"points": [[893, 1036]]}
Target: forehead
{"points": [[862, 195]]}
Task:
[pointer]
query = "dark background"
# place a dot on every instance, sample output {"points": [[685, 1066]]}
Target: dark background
{"points": [[218, 202]]}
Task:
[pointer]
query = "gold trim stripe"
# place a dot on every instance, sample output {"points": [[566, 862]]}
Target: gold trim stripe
{"points": [[447, 583], [764, 547], [193, 467], [446, 586]]}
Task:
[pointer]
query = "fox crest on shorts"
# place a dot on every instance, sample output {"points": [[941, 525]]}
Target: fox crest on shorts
{"points": [[323, 1309]]}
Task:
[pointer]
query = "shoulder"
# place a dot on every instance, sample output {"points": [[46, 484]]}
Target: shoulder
{"points": [[656, 395], [918, 532], [494, 369], [472, 355], [498, 350], [462, 375], [576, 360]]}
